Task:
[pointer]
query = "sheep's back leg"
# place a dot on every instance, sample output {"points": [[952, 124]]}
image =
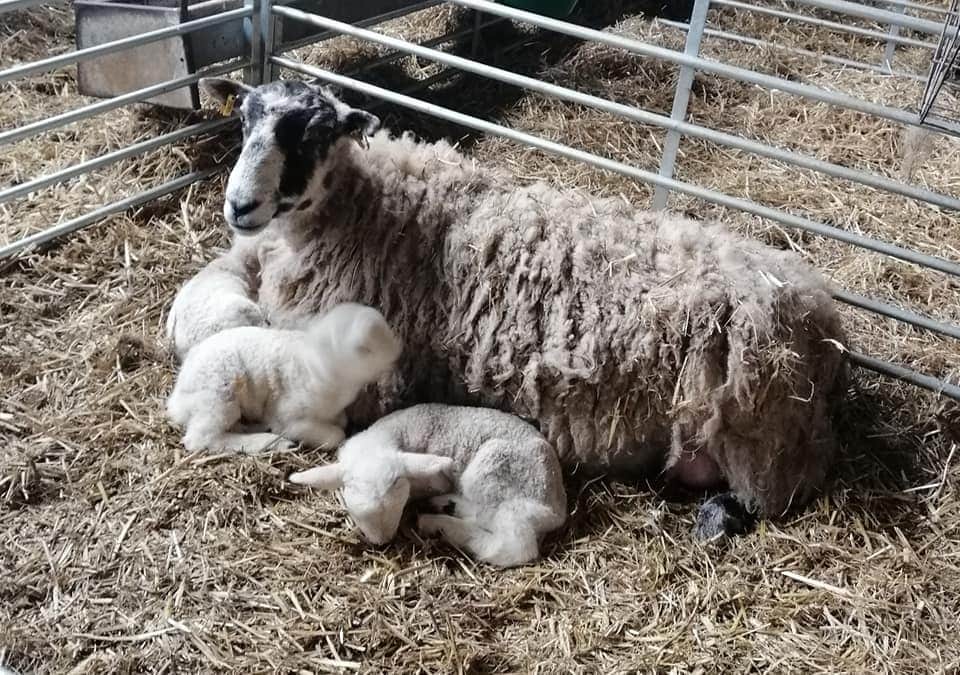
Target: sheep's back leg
{"points": [[723, 515], [502, 548], [252, 443]]}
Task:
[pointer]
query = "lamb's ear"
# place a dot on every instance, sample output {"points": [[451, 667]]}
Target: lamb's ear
{"points": [[329, 477], [433, 470], [220, 89]]}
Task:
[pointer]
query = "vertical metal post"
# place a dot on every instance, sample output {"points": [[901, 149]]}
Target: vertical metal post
{"points": [[269, 30], [253, 74], [698, 21], [890, 49]]}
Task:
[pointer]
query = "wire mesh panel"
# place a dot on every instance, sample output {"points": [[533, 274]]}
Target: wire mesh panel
{"points": [[940, 106]]}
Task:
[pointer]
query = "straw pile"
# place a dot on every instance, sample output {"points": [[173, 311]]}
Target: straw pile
{"points": [[118, 553]]}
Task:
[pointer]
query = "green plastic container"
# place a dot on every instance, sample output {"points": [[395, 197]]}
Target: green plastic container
{"points": [[557, 9]]}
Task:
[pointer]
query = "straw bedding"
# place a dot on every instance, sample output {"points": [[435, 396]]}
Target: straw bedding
{"points": [[119, 553]]}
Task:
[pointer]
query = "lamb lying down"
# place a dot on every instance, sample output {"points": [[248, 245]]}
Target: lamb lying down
{"points": [[507, 487], [297, 383], [215, 299]]}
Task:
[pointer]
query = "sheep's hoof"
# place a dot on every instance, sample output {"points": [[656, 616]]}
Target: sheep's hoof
{"points": [[722, 515], [445, 504]]}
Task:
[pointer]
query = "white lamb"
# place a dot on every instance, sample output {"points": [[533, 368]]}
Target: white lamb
{"points": [[296, 383], [215, 299], [502, 478]]}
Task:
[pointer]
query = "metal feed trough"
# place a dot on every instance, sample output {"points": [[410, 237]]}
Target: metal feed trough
{"points": [[102, 21]]}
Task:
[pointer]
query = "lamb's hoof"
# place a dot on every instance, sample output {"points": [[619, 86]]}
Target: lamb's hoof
{"points": [[445, 504], [722, 515]]}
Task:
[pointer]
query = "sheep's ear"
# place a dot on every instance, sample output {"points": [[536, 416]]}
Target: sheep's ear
{"points": [[433, 470], [359, 123], [329, 477], [220, 89]]}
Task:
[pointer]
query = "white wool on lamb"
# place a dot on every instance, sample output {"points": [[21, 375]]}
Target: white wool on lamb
{"points": [[295, 382], [216, 298], [502, 479]]}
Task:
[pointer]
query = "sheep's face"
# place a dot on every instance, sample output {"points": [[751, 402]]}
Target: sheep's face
{"points": [[376, 503], [291, 130]]}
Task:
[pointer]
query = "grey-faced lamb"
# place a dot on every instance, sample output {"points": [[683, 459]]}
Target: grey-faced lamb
{"points": [[502, 478], [635, 340], [294, 382]]}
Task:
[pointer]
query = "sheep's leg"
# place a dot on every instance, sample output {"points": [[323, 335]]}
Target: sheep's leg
{"points": [[453, 505], [515, 543], [723, 515], [315, 433]]}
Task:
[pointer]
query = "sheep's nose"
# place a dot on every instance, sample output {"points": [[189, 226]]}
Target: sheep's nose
{"points": [[236, 213], [240, 210]]}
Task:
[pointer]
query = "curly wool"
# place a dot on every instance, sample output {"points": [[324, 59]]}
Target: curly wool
{"points": [[629, 337]]}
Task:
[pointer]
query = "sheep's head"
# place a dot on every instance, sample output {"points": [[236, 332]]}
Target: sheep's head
{"points": [[359, 337], [291, 130], [377, 485]]}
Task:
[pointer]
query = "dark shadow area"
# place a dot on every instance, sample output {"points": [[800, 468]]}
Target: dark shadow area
{"points": [[519, 48]]}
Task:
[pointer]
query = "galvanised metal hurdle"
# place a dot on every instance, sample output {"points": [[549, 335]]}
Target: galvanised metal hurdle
{"points": [[268, 59]]}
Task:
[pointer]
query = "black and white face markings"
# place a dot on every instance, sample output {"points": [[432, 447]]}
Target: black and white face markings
{"points": [[289, 129]]}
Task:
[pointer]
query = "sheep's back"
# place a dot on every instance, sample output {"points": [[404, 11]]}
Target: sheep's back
{"points": [[628, 333]]}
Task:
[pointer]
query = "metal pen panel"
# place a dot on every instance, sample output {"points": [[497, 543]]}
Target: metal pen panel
{"points": [[86, 112], [41, 182], [70, 58], [632, 113]]}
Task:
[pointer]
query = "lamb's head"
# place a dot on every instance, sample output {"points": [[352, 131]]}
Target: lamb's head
{"points": [[376, 485], [292, 131], [359, 337]]}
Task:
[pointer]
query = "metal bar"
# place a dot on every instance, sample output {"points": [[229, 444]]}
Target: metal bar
{"points": [[104, 211], [284, 48], [635, 114], [268, 27], [940, 264], [70, 58], [253, 75], [907, 375], [828, 58], [824, 23], [918, 7], [882, 16], [50, 123], [433, 42], [884, 309], [12, 5], [890, 50], [668, 158], [110, 158], [705, 65]]}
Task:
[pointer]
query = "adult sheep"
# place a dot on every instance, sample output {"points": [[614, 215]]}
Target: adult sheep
{"points": [[634, 339]]}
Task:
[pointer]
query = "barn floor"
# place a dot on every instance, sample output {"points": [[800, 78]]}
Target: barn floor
{"points": [[119, 553]]}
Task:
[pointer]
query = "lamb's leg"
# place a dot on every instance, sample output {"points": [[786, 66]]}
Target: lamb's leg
{"points": [[314, 433], [514, 543], [723, 515]]}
